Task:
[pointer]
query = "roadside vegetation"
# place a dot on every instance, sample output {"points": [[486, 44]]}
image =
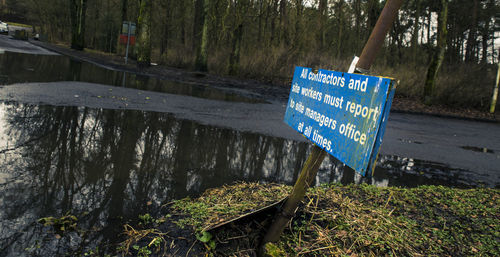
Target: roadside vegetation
{"points": [[334, 220]]}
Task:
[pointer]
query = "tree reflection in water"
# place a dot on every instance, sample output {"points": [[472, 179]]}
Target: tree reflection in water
{"points": [[108, 166]]}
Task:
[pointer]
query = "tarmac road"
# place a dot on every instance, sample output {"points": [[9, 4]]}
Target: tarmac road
{"points": [[421, 137]]}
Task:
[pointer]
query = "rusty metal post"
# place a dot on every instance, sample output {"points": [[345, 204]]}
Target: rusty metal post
{"points": [[310, 169], [377, 37]]}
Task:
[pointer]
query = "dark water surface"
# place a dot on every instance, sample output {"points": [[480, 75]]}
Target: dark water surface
{"points": [[22, 68], [107, 167]]}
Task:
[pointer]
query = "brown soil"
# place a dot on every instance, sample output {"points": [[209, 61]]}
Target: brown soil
{"points": [[269, 91], [409, 105]]}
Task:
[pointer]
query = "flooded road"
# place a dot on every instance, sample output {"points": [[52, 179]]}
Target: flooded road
{"points": [[109, 146]]}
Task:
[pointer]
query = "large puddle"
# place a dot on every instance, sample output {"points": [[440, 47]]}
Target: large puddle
{"points": [[109, 166], [22, 68]]}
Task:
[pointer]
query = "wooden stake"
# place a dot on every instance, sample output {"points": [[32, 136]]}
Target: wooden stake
{"points": [[306, 178]]}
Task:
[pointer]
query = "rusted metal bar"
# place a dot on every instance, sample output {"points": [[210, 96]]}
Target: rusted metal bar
{"points": [[377, 37]]}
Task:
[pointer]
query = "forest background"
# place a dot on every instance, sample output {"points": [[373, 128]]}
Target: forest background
{"points": [[265, 39]]}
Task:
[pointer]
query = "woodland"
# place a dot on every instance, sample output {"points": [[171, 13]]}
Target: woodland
{"points": [[451, 44]]}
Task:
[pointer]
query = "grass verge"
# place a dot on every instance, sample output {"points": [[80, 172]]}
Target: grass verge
{"points": [[356, 220]]}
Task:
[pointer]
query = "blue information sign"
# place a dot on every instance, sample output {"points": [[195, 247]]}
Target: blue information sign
{"points": [[343, 113]]}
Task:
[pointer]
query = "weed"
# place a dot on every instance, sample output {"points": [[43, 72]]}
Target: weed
{"points": [[142, 251], [145, 219], [61, 224], [207, 239]]}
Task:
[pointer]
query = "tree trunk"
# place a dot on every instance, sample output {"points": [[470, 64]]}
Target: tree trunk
{"points": [[183, 21], [340, 18], [486, 36], [234, 58], [200, 35], [429, 21], [78, 10], [471, 39], [260, 17], [495, 89], [93, 42], [373, 13], [323, 19], [283, 23], [438, 55], [124, 17], [124, 10], [164, 40], [357, 23], [298, 26], [452, 42], [273, 21], [143, 44], [397, 40], [166, 28], [416, 28]]}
